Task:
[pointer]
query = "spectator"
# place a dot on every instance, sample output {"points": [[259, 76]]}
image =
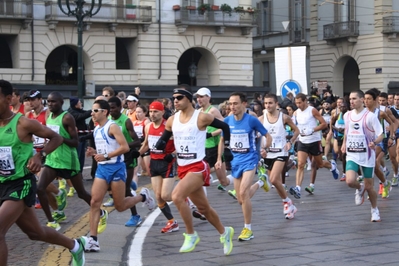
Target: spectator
{"points": [[288, 100], [108, 92], [314, 99], [80, 116]]}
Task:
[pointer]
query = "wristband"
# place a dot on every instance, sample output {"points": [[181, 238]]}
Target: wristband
{"points": [[227, 143]]}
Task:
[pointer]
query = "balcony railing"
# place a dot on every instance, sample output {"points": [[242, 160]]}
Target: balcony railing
{"points": [[214, 18], [130, 14], [341, 30], [16, 9], [390, 24]]}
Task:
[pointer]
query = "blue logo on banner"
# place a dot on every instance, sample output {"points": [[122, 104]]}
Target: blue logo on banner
{"points": [[290, 86]]}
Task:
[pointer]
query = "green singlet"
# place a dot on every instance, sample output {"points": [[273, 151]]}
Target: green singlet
{"points": [[64, 157], [213, 141], [14, 154], [121, 122]]}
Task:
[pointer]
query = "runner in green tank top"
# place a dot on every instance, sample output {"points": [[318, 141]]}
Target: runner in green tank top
{"points": [[133, 141], [63, 162], [213, 137], [17, 183]]}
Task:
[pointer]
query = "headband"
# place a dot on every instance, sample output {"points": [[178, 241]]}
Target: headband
{"points": [[186, 93], [157, 106]]}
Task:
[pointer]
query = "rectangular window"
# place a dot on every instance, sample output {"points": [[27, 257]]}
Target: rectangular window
{"points": [[265, 68], [257, 75]]}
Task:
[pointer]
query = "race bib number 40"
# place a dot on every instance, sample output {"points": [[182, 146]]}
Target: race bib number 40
{"points": [[239, 143]]}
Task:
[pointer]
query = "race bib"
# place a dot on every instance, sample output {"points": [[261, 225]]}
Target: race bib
{"points": [[38, 142], [139, 131], [7, 166], [239, 143], [152, 141], [101, 146], [356, 143], [185, 147], [54, 128], [277, 144]]}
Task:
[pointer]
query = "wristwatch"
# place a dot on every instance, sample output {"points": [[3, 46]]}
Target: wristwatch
{"points": [[106, 157], [43, 154]]}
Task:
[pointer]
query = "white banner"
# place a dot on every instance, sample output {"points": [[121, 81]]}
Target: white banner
{"points": [[290, 65]]}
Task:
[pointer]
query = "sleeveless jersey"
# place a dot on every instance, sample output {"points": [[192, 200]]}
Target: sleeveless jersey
{"points": [[377, 112], [212, 141], [278, 133], [105, 143], [326, 116], [20, 110], [340, 123], [64, 157], [139, 128], [121, 122], [305, 119], [189, 140], [14, 154], [38, 143], [154, 134], [360, 130]]}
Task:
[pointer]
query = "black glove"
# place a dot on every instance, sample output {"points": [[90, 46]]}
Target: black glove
{"points": [[169, 157], [160, 145], [228, 155], [208, 135], [135, 154]]}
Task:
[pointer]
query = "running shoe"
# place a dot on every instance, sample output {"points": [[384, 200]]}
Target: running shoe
{"points": [[102, 224], [62, 199], [308, 166], [232, 193], [58, 216], [171, 226], [222, 188], [109, 203], [71, 192], [360, 178], [375, 215], [198, 215], [78, 257], [387, 172], [245, 235], [61, 183], [310, 190], [334, 169], [394, 181], [91, 245], [289, 210], [56, 226], [37, 204], [287, 174], [190, 241], [387, 188], [359, 195], [135, 220], [343, 178], [324, 158], [381, 189], [149, 201], [227, 240], [133, 185], [266, 184], [295, 192]]}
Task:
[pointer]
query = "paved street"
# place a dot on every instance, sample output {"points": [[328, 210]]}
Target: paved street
{"points": [[328, 229]]}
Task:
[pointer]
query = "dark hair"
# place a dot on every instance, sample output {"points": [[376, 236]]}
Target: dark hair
{"points": [[383, 95], [359, 93], [6, 87], [185, 87], [242, 96], [301, 96], [103, 105], [257, 95], [110, 90], [376, 91], [271, 95], [115, 100], [144, 108], [16, 91], [372, 93]]}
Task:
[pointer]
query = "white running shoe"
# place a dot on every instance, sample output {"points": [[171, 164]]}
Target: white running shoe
{"points": [[289, 210], [149, 201], [359, 195], [375, 215], [91, 245]]}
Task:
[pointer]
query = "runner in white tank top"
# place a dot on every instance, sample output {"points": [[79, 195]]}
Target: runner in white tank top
{"points": [[360, 139]]}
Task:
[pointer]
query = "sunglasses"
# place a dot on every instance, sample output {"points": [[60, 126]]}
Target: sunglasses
{"points": [[97, 110], [106, 95], [179, 98]]}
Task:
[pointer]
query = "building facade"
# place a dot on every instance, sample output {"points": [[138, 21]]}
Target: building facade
{"points": [[153, 44]]}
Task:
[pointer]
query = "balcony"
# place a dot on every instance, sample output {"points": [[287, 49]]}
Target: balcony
{"points": [[16, 10], [108, 14], [390, 26], [339, 30], [219, 19]]}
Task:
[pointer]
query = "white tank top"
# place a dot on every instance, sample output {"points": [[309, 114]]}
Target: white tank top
{"points": [[278, 133], [189, 140], [305, 119], [386, 124], [106, 144], [357, 138]]}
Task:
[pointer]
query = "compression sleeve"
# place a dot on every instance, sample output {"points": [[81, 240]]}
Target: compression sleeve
{"points": [[225, 128], [161, 143]]}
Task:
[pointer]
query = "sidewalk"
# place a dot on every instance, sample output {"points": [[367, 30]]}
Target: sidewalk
{"points": [[328, 229]]}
